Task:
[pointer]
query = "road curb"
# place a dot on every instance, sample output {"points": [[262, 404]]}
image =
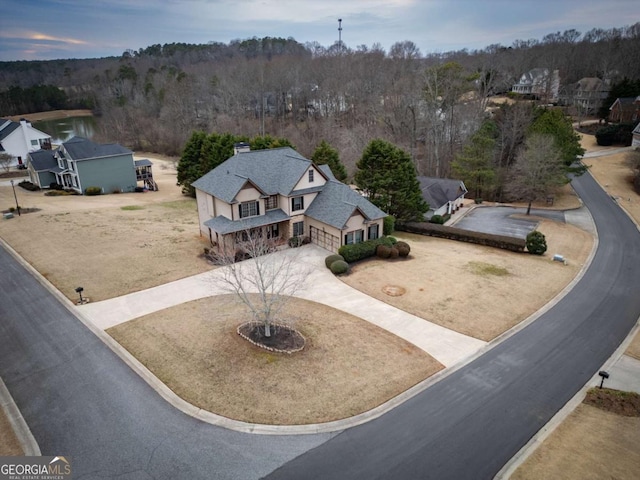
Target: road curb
{"points": [[18, 424], [538, 439]]}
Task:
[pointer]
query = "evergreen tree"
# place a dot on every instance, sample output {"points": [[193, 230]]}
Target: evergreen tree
{"points": [[189, 167], [387, 177], [267, 141], [553, 122], [475, 164], [325, 154]]}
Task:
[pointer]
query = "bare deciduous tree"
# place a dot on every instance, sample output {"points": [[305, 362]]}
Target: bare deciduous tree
{"points": [[5, 161], [266, 281]]}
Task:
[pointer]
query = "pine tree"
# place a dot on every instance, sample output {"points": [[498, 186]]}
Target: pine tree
{"points": [[387, 177], [325, 154]]}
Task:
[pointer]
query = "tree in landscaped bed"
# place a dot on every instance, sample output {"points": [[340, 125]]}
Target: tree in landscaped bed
{"points": [[553, 122], [536, 243], [387, 177], [325, 154]]}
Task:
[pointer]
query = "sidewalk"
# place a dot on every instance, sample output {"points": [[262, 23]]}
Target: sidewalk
{"points": [[446, 346]]}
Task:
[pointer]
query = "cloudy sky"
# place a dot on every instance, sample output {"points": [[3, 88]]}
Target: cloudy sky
{"points": [[54, 29]]}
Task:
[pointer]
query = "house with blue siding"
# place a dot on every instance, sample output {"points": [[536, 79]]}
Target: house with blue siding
{"points": [[279, 194], [80, 163]]}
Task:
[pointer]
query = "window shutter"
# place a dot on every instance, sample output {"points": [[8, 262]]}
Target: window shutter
{"points": [[293, 204], [240, 210], [257, 208], [301, 203]]}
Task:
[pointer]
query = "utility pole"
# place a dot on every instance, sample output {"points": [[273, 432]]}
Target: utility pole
{"points": [[340, 34]]}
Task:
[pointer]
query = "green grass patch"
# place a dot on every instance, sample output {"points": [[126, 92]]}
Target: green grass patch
{"points": [[483, 269], [132, 207], [179, 204]]}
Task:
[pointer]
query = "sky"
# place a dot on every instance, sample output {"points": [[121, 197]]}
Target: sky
{"points": [[60, 29]]}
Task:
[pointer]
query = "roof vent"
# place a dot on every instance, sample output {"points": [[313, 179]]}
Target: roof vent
{"points": [[241, 147]]}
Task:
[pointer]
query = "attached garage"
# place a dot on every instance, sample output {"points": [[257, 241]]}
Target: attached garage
{"points": [[324, 239]]}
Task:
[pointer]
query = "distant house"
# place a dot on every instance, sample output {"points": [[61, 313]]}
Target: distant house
{"points": [[625, 110], [280, 194], [636, 137], [80, 163], [444, 195], [586, 94], [18, 139], [539, 83]]}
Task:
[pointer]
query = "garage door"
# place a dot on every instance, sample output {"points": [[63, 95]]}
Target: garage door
{"points": [[324, 239]]}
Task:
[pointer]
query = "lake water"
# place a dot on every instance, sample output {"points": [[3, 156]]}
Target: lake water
{"points": [[64, 129]]}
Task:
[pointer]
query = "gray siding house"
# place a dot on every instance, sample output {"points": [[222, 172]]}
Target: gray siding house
{"points": [[80, 163], [280, 194]]}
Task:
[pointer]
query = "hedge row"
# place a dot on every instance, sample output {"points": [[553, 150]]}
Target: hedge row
{"points": [[358, 251], [434, 230]]}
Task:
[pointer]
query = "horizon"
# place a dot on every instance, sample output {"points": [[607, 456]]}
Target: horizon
{"points": [[101, 30]]}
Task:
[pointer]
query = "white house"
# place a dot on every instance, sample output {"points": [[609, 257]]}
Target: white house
{"points": [[635, 142], [280, 194], [18, 139], [444, 195], [539, 83]]}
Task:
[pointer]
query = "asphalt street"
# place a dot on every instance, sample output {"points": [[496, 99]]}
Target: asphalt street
{"points": [[82, 401], [468, 425], [501, 220]]}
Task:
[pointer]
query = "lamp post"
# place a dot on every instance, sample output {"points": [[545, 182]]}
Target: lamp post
{"points": [[15, 196]]}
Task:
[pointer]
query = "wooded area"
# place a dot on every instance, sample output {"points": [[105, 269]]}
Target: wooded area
{"points": [[430, 105]]}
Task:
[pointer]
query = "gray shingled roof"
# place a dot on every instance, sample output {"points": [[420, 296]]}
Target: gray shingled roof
{"points": [[223, 225], [335, 204], [43, 160], [438, 191], [6, 131], [145, 162], [79, 148], [273, 171]]}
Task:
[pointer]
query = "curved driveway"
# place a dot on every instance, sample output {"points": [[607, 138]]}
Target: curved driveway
{"points": [[80, 400]]}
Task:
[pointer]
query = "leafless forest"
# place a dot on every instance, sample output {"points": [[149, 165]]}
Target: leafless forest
{"points": [[429, 104]]}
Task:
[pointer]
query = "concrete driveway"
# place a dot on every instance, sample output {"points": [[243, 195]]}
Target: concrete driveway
{"points": [[503, 221]]}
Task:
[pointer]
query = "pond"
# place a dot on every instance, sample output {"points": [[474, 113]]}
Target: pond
{"points": [[64, 129]]}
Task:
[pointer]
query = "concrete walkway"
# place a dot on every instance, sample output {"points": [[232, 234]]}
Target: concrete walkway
{"points": [[446, 346]]}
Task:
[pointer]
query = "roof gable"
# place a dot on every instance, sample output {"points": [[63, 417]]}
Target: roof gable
{"points": [[438, 191], [79, 148], [43, 160]]}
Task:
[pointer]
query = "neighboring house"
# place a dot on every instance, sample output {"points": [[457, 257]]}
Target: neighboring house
{"points": [[586, 94], [18, 139], [625, 110], [444, 195], [80, 163], [280, 194], [636, 137], [539, 83]]}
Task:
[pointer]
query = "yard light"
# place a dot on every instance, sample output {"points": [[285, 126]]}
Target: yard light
{"points": [[15, 196], [79, 291], [603, 375]]}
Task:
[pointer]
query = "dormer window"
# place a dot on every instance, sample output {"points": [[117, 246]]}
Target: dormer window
{"points": [[311, 176], [297, 203], [271, 202]]}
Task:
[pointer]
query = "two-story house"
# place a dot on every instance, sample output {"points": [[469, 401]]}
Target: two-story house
{"points": [[80, 163], [18, 139], [539, 83], [280, 194]]}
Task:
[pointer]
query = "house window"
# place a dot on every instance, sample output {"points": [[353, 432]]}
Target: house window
{"points": [[298, 229], [297, 203], [273, 231], [35, 143], [372, 234], [310, 176], [249, 209], [354, 237], [271, 203]]}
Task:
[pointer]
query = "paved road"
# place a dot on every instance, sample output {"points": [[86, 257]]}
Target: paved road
{"points": [[470, 424], [80, 400], [501, 220]]}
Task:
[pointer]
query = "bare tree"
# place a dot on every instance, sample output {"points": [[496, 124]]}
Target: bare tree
{"points": [[5, 161], [538, 170], [266, 281]]}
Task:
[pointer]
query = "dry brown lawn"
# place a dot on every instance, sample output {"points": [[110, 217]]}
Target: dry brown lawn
{"points": [[9, 445], [590, 444], [348, 366], [475, 290]]}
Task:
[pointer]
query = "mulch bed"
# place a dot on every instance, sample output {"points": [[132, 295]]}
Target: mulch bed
{"points": [[622, 403], [283, 339]]}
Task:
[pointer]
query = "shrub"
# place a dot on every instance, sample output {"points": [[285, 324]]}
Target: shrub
{"points": [[478, 201], [339, 266], [388, 225], [28, 186], [91, 191], [437, 219], [393, 252], [358, 251], [295, 242], [55, 186], [383, 251], [403, 249], [332, 258], [536, 243]]}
